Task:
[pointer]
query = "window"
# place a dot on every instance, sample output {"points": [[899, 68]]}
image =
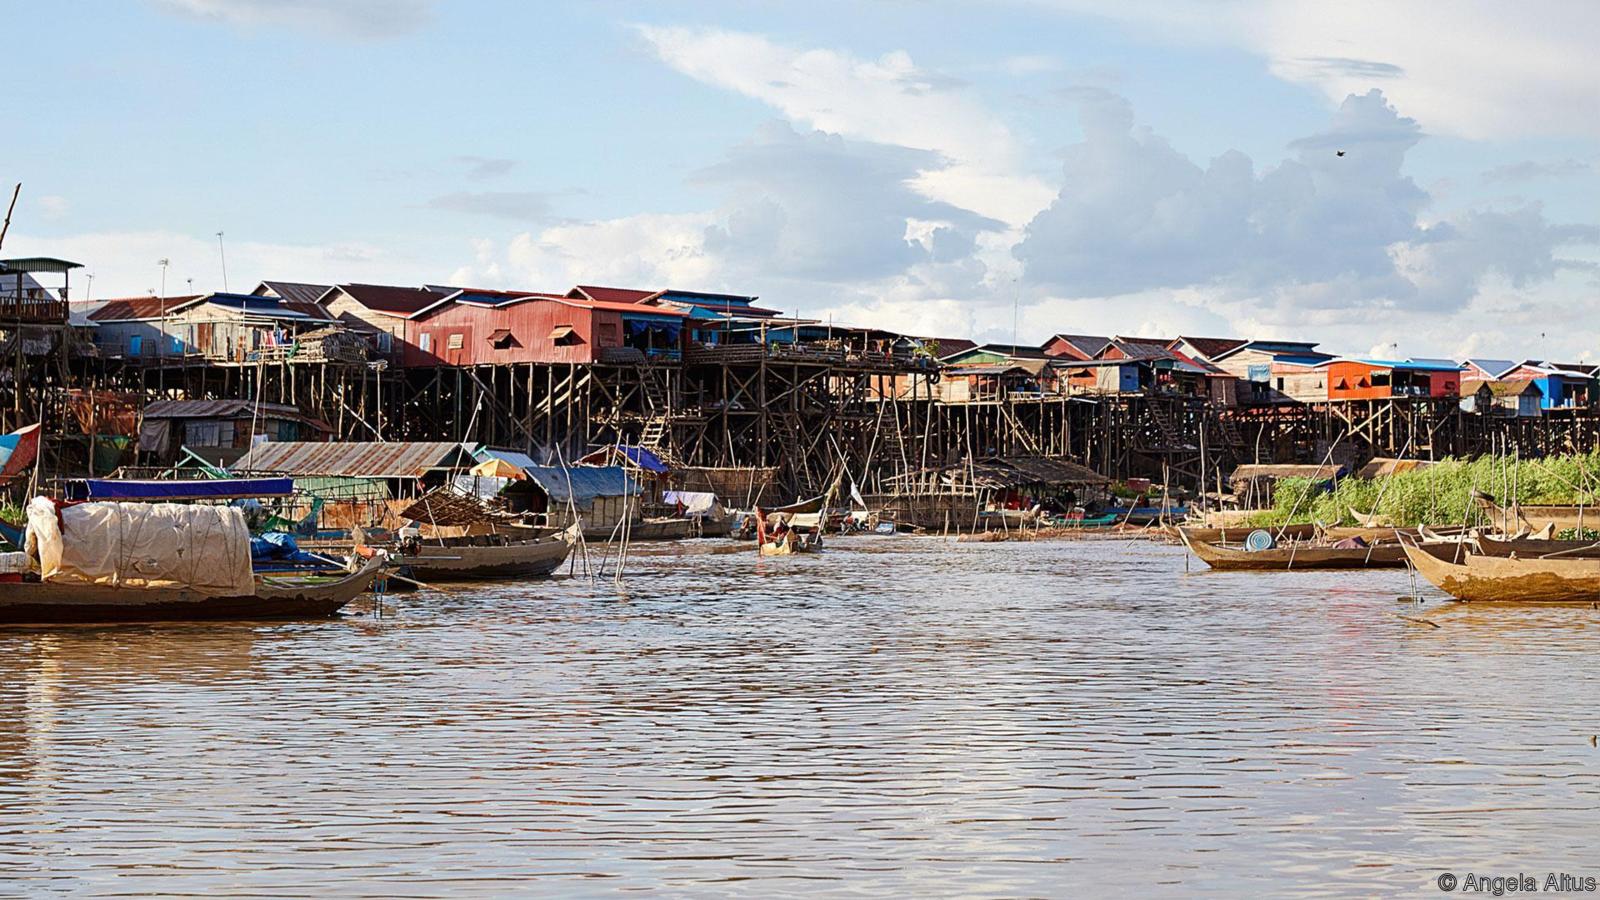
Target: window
{"points": [[135, 344], [610, 334], [1280, 384], [503, 339], [1380, 379], [455, 342], [565, 336], [386, 342], [425, 342]]}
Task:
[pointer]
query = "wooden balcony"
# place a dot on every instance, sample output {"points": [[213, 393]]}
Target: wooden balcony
{"points": [[30, 309]]}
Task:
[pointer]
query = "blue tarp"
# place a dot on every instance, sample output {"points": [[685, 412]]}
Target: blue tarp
{"points": [[587, 482], [218, 489], [644, 459]]}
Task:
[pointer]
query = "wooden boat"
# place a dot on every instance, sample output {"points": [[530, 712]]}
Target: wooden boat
{"points": [[1237, 534], [666, 528], [1468, 575], [1293, 556], [275, 597], [485, 557], [1536, 518], [1535, 548], [790, 542], [1370, 520]]}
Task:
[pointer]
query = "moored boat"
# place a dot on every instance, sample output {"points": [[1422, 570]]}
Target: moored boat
{"points": [[1293, 556], [274, 597], [1469, 575], [485, 557], [138, 562]]}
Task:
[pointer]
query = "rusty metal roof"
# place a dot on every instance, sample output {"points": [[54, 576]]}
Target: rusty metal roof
{"points": [[361, 459], [216, 409]]}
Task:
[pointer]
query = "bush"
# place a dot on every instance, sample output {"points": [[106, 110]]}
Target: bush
{"points": [[1439, 494]]}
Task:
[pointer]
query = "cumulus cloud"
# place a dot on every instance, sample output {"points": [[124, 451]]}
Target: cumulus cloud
{"points": [[821, 207], [888, 100], [1530, 170], [1327, 236], [1481, 69], [348, 18]]}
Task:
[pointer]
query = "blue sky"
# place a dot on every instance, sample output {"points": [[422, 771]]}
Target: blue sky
{"points": [[1131, 167]]}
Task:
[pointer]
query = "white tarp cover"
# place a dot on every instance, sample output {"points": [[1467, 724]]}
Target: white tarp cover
{"points": [[139, 545], [695, 503]]}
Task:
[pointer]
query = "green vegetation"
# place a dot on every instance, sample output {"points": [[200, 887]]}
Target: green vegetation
{"points": [[1439, 494]]}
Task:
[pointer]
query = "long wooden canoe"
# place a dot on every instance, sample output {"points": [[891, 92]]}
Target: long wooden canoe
{"points": [[455, 561], [1479, 578], [1237, 533], [1533, 548], [286, 597], [1293, 557], [1537, 518]]}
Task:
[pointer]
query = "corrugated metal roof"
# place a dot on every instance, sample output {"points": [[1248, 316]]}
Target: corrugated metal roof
{"points": [[612, 295], [128, 308], [1254, 471], [295, 291], [215, 409], [516, 458], [1211, 347], [582, 483], [364, 459], [400, 301]]}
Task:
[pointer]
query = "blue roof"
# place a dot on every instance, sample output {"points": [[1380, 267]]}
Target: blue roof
{"points": [[260, 306], [1433, 362], [520, 460], [218, 489], [1495, 367], [585, 482], [1300, 360], [1415, 365]]}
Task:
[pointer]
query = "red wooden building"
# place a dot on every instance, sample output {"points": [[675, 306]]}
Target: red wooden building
{"points": [[473, 327], [1374, 379]]}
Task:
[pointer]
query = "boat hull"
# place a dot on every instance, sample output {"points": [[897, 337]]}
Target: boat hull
{"points": [[1476, 578], [55, 603], [1294, 558], [648, 530], [525, 559]]}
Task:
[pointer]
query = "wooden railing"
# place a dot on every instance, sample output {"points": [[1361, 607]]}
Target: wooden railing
{"points": [[32, 309]]}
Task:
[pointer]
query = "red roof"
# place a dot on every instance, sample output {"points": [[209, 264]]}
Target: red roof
{"points": [[139, 308], [1208, 347], [635, 308], [610, 294], [396, 301]]}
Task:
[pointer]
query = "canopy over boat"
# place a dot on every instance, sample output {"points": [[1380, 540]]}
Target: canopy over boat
{"points": [[205, 549], [213, 489]]}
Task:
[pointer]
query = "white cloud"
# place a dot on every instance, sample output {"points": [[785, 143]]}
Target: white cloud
{"points": [[351, 18], [889, 100], [124, 262], [54, 208], [1481, 69], [1324, 245]]}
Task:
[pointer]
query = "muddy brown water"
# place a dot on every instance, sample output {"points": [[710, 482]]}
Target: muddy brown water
{"points": [[896, 716]]}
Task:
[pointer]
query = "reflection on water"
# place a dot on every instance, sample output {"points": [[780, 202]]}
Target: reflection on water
{"points": [[897, 715]]}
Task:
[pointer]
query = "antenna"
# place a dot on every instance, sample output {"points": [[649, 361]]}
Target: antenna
{"points": [[163, 262], [223, 255], [90, 289], [7, 226]]}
